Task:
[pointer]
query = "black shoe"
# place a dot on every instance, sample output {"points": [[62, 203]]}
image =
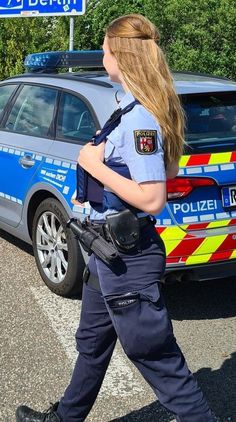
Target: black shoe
{"points": [[25, 414]]}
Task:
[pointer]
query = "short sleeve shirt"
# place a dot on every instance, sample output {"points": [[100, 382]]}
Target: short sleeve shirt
{"points": [[137, 142]]}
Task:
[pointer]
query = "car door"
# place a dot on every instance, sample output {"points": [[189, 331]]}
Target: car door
{"points": [[76, 125], [25, 138]]}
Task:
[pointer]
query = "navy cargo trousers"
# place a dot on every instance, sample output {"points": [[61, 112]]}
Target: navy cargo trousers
{"points": [[130, 306]]}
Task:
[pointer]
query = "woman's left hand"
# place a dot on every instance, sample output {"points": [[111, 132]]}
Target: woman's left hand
{"points": [[91, 155]]}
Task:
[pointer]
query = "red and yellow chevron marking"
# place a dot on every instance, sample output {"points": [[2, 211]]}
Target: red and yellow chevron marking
{"points": [[183, 247], [212, 225], [207, 159]]}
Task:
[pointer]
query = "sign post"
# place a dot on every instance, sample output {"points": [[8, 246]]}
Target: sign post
{"points": [[71, 37]]}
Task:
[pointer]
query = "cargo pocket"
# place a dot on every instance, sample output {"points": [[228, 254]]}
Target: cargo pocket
{"points": [[141, 322]]}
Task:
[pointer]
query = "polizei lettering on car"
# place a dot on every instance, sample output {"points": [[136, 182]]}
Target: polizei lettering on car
{"points": [[204, 205]]}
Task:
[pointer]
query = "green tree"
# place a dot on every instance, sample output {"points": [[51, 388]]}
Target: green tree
{"points": [[90, 28], [200, 36], [195, 35], [22, 36]]}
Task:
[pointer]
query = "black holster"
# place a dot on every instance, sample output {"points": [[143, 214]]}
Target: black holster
{"points": [[124, 230]]}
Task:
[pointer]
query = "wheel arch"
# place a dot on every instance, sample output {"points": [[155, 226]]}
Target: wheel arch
{"points": [[35, 200]]}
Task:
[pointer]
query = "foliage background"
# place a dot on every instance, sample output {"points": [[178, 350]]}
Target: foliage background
{"points": [[195, 35]]}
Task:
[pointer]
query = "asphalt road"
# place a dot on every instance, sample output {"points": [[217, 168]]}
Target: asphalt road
{"points": [[37, 348]]}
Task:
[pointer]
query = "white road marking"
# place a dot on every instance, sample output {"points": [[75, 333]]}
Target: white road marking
{"points": [[63, 314]]}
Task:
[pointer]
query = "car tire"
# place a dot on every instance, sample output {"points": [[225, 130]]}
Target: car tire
{"points": [[56, 250]]}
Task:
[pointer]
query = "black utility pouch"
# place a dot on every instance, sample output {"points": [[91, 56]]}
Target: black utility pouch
{"points": [[123, 227]]}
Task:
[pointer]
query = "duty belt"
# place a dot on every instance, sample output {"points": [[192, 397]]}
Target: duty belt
{"points": [[102, 229]]}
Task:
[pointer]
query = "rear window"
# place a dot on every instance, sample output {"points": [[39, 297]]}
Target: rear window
{"points": [[210, 122]]}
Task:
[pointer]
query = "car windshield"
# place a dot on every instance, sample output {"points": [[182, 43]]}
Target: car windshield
{"points": [[210, 122]]}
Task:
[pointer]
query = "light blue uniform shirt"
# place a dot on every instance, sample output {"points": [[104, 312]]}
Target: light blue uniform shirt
{"points": [[121, 148]]}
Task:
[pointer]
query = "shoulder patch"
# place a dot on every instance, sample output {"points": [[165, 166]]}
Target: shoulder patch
{"points": [[145, 141]]}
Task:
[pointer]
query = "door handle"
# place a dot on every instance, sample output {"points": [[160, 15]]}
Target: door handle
{"points": [[26, 161]]}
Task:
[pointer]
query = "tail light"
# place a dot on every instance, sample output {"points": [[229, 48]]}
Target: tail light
{"points": [[182, 186]]}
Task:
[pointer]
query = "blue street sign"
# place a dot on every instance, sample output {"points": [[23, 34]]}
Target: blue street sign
{"points": [[30, 8]]}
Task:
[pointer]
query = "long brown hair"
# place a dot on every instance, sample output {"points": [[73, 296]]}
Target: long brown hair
{"points": [[133, 40]]}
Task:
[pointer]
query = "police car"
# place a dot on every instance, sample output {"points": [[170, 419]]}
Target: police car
{"points": [[46, 117]]}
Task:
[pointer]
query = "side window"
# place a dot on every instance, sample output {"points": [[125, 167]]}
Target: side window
{"points": [[32, 113], [5, 93], [75, 120]]}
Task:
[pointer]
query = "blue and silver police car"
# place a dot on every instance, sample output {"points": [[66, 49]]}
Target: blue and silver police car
{"points": [[46, 117]]}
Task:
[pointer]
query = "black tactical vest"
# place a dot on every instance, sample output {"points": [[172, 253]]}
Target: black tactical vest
{"points": [[89, 188]]}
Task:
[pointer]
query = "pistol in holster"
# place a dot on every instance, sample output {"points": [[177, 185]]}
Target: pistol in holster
{"points": [[124, 230]]}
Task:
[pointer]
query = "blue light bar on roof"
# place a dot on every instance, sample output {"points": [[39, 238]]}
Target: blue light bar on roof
{"points": [[51, 61]]}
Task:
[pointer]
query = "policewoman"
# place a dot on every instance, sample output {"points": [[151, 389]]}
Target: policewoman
{"points": [[123, 300]]}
